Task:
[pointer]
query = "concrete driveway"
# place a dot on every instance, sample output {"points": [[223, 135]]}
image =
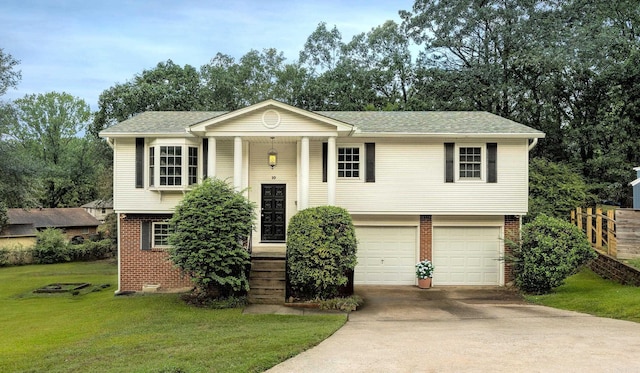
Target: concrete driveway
{"points": [[405, 329]]}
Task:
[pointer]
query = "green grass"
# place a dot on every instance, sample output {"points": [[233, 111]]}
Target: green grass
{"points": [[589, 293], [96, 331], [633, 262]]}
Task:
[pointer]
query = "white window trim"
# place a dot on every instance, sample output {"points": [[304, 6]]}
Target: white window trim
{"points": [[483, 163], [184, 178], [361, 167], [153, 235]]}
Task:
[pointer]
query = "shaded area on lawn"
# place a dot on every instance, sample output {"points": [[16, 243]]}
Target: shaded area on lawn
{"points": [[589, 293], [100, 332]]}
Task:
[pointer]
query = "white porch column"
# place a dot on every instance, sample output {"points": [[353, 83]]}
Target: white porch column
{"points": [[331, 171], [237, 163], [211, 158], [304, 173]]}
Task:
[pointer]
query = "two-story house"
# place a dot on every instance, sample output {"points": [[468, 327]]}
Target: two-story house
{"points": [[446, 186]]}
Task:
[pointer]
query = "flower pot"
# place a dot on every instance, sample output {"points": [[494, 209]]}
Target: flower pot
{"points": [[424, 283]]}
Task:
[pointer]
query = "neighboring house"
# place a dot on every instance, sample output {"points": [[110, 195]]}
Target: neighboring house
{"points": [[99, 208], [446, 186], [25, 224], [635, 184]]}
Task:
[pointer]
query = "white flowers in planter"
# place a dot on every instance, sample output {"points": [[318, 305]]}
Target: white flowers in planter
{"points": [[424, 269]]}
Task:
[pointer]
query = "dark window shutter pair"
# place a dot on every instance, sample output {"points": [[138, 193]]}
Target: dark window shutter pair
{"points": [[145, 233], [370, 158], [139, 162], [492, 156]]}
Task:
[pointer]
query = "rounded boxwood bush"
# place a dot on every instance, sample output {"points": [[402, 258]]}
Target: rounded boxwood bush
{"points": [[551, 250], [212, 224], [321, 250]]}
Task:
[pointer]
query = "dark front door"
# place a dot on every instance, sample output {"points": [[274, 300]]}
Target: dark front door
{"points": [[273, 214]]}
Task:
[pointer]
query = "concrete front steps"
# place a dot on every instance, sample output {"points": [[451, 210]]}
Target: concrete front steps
{"points": [[267, 279]]}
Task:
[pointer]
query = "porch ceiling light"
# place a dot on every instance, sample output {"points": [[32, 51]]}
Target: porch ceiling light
{"points": [[273, 155]]}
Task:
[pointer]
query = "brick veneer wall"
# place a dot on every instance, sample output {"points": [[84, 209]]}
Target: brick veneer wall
{"points": [[610, 268], [145, 267], [426, 235], [511, 235]]}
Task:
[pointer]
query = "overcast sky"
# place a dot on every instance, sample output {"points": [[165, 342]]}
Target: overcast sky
{"points": [[83, 47]]}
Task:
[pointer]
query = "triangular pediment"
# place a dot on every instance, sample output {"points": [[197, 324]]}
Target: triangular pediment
{"points": [[271, 118]]}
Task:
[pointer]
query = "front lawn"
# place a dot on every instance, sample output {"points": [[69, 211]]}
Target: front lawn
{"points": [[589, 293], [96, 331]]}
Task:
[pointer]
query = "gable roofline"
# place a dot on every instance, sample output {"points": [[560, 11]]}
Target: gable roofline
{"points": [[52, 217], [201, 128]]}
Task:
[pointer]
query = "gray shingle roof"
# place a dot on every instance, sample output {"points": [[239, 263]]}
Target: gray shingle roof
{"points": [[52, 217], [163, 122], [398, 122], [436, 122]]}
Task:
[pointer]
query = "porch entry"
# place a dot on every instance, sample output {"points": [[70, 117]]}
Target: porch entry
{"points": [[273, 213]]}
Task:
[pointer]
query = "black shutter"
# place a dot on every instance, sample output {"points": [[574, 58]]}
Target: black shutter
{"points": [[145, 239], [448, 156], [370, 157], [492, 156], [205, 157], [324, 161], [139, 162]]}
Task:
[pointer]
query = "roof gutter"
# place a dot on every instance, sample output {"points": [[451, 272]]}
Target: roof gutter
{"points": [[533, 143]]}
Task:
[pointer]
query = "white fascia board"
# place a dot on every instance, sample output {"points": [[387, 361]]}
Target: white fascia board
{"points": [[202, 127], [451, 135], [148, 134], [272, 134]]}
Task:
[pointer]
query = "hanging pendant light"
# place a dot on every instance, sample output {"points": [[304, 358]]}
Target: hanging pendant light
{"points": [[273, 155]]}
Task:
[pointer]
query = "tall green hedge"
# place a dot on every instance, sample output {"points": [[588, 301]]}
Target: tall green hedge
{"points": [[212, 224], [321, 250], [551, 250]]}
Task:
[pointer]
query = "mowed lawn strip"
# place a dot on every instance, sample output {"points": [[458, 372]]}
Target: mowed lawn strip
{"points": [[96, 331], [589, 293]]}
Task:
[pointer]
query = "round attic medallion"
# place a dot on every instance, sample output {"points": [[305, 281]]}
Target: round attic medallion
{"points": [[271, 118]]}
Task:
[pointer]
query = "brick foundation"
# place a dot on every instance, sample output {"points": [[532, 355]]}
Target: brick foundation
{"points": [[145, 267], [511, 234], [426, 237]]}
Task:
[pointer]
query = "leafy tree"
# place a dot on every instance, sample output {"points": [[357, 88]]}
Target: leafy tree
{"points": [[4, 219], [212, 224], [321, 250], [555, 189], [9, 76], [46, 128], [550, 251], [166, 87]]}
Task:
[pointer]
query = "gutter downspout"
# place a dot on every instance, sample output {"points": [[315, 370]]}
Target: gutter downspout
{"points": [[533, 143]]}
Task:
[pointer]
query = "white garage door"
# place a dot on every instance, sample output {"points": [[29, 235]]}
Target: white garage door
{"points": [[466, 255], [386, 255]]}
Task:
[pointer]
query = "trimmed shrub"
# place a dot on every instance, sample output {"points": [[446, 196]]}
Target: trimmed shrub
{"points": [[212, 224], [321, 250], [551, 250], [16, 255], [91, 250], [51, 247]]}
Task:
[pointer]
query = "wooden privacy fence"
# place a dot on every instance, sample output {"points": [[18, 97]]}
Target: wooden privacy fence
{"points": [[600, 228]]}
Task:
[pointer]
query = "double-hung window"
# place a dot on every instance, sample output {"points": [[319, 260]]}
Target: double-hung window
{"points": [[348, 162], [160, 235], [470, 162], [172, 166]]}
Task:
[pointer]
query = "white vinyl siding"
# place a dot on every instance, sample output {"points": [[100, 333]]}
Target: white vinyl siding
{"points": [[409, 180]]}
